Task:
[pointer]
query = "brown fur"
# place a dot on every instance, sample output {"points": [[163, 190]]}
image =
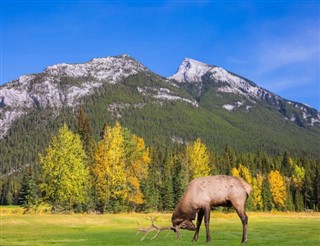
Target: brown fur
{"points": [[204, 193]]}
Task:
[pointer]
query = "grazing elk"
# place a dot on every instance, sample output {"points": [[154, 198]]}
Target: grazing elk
{"points": [[201, 195]]}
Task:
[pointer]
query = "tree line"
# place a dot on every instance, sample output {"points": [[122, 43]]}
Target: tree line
{"points": [[120, 173]]}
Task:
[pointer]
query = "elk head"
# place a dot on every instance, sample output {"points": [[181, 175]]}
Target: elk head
{"points": [[153, 227], [183, 224]]}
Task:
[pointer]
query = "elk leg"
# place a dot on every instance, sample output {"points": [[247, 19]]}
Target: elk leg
{"points": [[244, 219], [207, 222], [199, 220]]}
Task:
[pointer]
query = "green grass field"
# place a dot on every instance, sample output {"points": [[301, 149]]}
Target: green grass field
{"points": [[120, 229]]}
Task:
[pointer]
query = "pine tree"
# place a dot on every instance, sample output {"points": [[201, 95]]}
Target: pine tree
{"points": [[151, 186], [298, 201], [63, 172], [307, 191], [29, 194], [180, 175], [289, 200], [266, 195], [286, 165], [167, 184], [316, 188], [85, 132]]}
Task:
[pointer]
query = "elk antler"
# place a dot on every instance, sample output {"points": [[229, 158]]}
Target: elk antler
{"points": [[153, 227]]}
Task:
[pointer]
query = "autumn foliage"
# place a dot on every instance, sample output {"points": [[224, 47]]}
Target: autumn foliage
{"points": [[120, 173]]}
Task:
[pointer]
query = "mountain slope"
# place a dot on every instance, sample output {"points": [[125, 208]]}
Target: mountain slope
{"points": [[198, 101]]}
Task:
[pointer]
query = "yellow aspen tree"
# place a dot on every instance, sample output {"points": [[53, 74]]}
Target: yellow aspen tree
{"points": [[116, 156], [137, 163], [245, 173], [99, 173], [198, 159], [63, 172], [109, 170], [278, 188], [298, 176]]}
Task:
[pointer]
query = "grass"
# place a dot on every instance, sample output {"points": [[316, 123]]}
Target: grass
{"points": [[120, 229]]}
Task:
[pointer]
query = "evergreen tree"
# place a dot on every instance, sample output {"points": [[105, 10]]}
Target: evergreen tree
{"points": [[180, 177], [307, 191], [286, 165], [298, 201], [289, 200], [29, 194], [85, 132], [151, 187], [7, 194], [266, 195], [167, 184], [316, 188]]}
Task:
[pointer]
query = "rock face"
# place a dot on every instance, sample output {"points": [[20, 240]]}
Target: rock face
{"points": [[65, 84]]}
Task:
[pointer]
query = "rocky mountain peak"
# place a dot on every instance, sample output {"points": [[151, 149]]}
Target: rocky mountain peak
{"points": [[111, 68], [191, 70]]}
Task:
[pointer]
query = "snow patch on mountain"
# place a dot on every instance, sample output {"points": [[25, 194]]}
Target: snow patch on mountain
{"points": [[228, 107], [231, 107], [165, 94]]}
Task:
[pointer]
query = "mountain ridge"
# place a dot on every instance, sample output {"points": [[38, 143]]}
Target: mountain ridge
{"points": [[220, 105]]}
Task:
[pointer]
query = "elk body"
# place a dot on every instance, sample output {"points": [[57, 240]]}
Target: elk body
{"points": [[204, 193], [201, 195]]}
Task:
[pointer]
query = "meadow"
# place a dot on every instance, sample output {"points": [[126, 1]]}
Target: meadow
{"points": [[120, 229]]}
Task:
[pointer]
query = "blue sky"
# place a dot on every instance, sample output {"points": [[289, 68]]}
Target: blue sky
{"points": [[276, 44]]}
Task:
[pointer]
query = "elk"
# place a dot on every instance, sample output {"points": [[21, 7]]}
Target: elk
{"points": [[200, 196]]}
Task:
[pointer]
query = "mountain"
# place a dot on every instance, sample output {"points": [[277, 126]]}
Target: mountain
{"points": [[199, 77], [61, 85], [200, 100]]}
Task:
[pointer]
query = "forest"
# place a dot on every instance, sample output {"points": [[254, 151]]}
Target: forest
{"points": [[119, 173]]}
